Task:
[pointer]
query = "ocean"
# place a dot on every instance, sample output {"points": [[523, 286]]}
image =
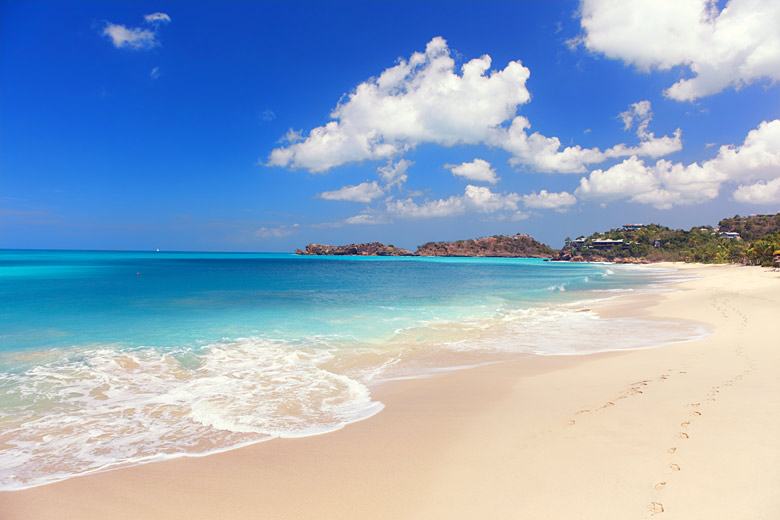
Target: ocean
{"points": [[113, 358]]}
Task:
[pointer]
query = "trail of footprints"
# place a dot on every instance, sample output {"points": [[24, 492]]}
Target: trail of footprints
{"points": [[634, 389], [694, 409]]}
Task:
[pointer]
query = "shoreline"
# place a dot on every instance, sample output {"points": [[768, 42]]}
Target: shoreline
{"points": [[508, 437]]}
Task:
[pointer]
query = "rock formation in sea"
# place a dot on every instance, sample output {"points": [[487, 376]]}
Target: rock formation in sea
{"points": [[511, 246], [506, 246], [366, 249]]}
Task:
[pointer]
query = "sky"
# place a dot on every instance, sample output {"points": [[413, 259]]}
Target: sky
{"points": [[265, 126]]}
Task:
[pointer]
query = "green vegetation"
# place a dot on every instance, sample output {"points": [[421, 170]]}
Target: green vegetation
{"points": [[759, 239]]}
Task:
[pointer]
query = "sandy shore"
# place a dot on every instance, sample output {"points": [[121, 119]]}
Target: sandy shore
{"points": [[684, 431]]}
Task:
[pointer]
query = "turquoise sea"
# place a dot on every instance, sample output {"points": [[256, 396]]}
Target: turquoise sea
{"points": [[116, 358]]}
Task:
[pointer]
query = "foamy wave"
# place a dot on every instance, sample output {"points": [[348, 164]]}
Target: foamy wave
{"points": [[88, 410], [563, 331]]}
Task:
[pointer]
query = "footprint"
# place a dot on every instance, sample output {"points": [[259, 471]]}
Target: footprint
{"points": [[695, 413], [683, 435], [671, 450], [685, 424], [659, 486], [694, 405], [657, 508], [571, 422], [674, 467]]}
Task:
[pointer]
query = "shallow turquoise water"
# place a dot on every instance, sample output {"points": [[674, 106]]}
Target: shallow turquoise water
{"points": [[64, 298], [113, 358]]}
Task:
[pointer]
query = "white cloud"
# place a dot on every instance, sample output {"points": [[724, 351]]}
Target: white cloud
{"points": [[759, 193], [625, 179], [546, 200], [363, 192], [476, 199], [668, 184], [394, 174], [649, 145], [136, 38], [419, 100], [408, 208], [425, 100], [641, 111], [365, 218], [540, 152], [157, 18], [758, 158], [277, 232], [732, 47], [268, 115], [155, 73], [545, 153], [477, 170]]}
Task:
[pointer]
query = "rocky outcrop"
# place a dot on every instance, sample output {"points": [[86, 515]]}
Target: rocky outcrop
{"points": [[505, 246], [512, 246], [368, 249]]}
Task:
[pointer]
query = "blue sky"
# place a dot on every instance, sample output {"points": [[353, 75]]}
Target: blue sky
{"points": [[263, 126]]}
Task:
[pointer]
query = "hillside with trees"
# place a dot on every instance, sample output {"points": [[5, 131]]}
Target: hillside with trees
{"points": [[752, 240]]}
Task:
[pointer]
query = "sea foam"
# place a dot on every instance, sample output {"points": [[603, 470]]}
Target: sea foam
{"points": [[89, 409]]}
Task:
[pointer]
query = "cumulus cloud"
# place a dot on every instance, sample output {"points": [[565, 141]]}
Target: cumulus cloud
{"points": [[425, 100], [540, 152], [546, 200], [668, 184], [759, 193], [394, 173], [136, 38], [476, 199], [419, 100], [363, 192], [477, 170], [155, 73], [729, 47], [277, 232], [649, 145]]}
